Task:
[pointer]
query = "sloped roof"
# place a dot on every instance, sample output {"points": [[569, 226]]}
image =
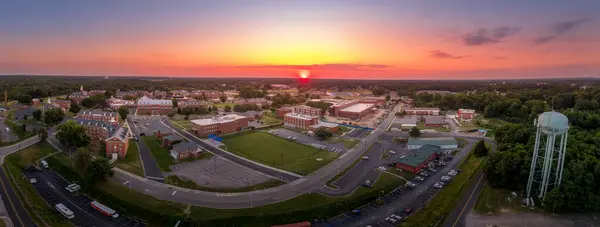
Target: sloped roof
{"points": [[419, 156]]}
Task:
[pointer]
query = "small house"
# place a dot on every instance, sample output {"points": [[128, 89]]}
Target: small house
{"points": [[185, 150]]}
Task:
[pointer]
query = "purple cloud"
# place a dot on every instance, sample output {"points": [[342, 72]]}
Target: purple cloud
{"points": [[561, 28], [484, 36], [443, 55]]}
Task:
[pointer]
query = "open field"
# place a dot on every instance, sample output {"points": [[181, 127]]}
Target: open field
{"points": [[184, 124], [161, 154], [445, 200], [131, 163], [494, 201], [277, 152], [32, 201], [269, 120]]}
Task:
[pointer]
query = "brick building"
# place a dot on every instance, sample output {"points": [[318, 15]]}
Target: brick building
{"points": [[331, 127], [96, 92], [79, 96], [118, 143], [219, 125], [97, 130], [466, 114], [422, 111], [185, 150], [307, 110], [35, 102], [65, 105], [419, 159], [280, 113], [170, 140], [434, 121], [300, 121], [116, 103], [208, 94], [97, 115], [356, 111], [191, 103], [147, 105]]}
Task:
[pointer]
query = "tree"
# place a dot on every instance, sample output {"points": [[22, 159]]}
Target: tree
{"points": [[175, 104], [99, 171], [123, 111], [95, 101], [43, 133], [414, 132], [387, 98], [210, 109], [480, 149], [37, 114], [323, 134], [223, 98], [75, 108], [72, 134], [83, 159], [24, 99], [53, 116], [25, 117], [24, 127], [108, 94], [227, 109]]}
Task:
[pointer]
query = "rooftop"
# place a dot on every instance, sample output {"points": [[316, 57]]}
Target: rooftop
{"points": [[97, 113], [438, 141], [301, 116], [120, 133], [406, 120], [424, 108], [172, 137], [183, 147], [325, 125], [357, 108], [434, 120], [148, 101], [218, 120], [466, 110], [420, 155]]}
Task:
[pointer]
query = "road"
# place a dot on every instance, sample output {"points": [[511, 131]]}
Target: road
{"points": [[12, 203], [149, 164], [311, 182]]}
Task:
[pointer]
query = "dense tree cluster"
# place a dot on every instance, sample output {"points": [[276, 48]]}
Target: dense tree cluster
{"points": [[72, 134], [245, 107], [509, 167], [286, 99], [249, 92], [96, 101], [53, 116]]}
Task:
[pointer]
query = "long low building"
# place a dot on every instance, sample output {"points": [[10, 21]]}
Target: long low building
{"points": [[422, 111], [419, 159], [357, 110], [219, 125], [147, 105], [446, 143]]}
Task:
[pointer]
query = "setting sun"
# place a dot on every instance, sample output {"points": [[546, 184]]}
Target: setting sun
{"points": [[304, 74]]}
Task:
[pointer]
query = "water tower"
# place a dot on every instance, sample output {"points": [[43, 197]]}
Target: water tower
{"points": [[548, 154]]}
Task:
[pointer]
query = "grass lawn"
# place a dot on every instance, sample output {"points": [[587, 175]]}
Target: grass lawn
{"points": [[33, 202], [269, 120], [161, 154], [406, 174], [494, 200], [277, 152], [175, 180], [461, 142], [421, 125], [348, 143], [131, 163], [445, 200], [304, 207], [2, 223], [183, 124]]}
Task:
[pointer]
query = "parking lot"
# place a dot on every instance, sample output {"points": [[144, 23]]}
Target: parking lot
{"points": [[312, 141], [6, 135], [217, 172], [52, 188], [396, 201], [150, 125], [362, 171]]}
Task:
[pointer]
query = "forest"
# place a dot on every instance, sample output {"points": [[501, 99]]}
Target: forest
{"points": [[508, 168]]}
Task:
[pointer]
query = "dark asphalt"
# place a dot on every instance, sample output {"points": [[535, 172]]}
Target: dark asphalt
{"points": [[151, 169], [286, 177], [15, 209], [467, 201]]}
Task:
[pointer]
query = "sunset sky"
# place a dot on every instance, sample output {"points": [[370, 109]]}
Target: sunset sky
{"points": [[358, 39]]}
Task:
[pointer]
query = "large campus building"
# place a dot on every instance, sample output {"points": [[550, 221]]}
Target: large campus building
{"points": [[147, 105], [445, 143], [219, 125], [422, 111], [97, 129], [419, 159], [300, 121], [307, 110], [97, 115], [354, 109], [191, 103]]}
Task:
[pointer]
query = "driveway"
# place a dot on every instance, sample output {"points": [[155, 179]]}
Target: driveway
{"points": [[149, 164]]}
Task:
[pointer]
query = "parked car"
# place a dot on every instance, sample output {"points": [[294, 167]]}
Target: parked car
{"points": [[367, 184], [391, 220], [382, 168], [396, 217], [45, 164], [424, 174], [32, 180], [419, 178], [437, 185], [452, 173], [365, 157], [72, 188], [356, 211], [445, 178], [408, 210], [410, 184], [392, 152], [403, 156]]}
